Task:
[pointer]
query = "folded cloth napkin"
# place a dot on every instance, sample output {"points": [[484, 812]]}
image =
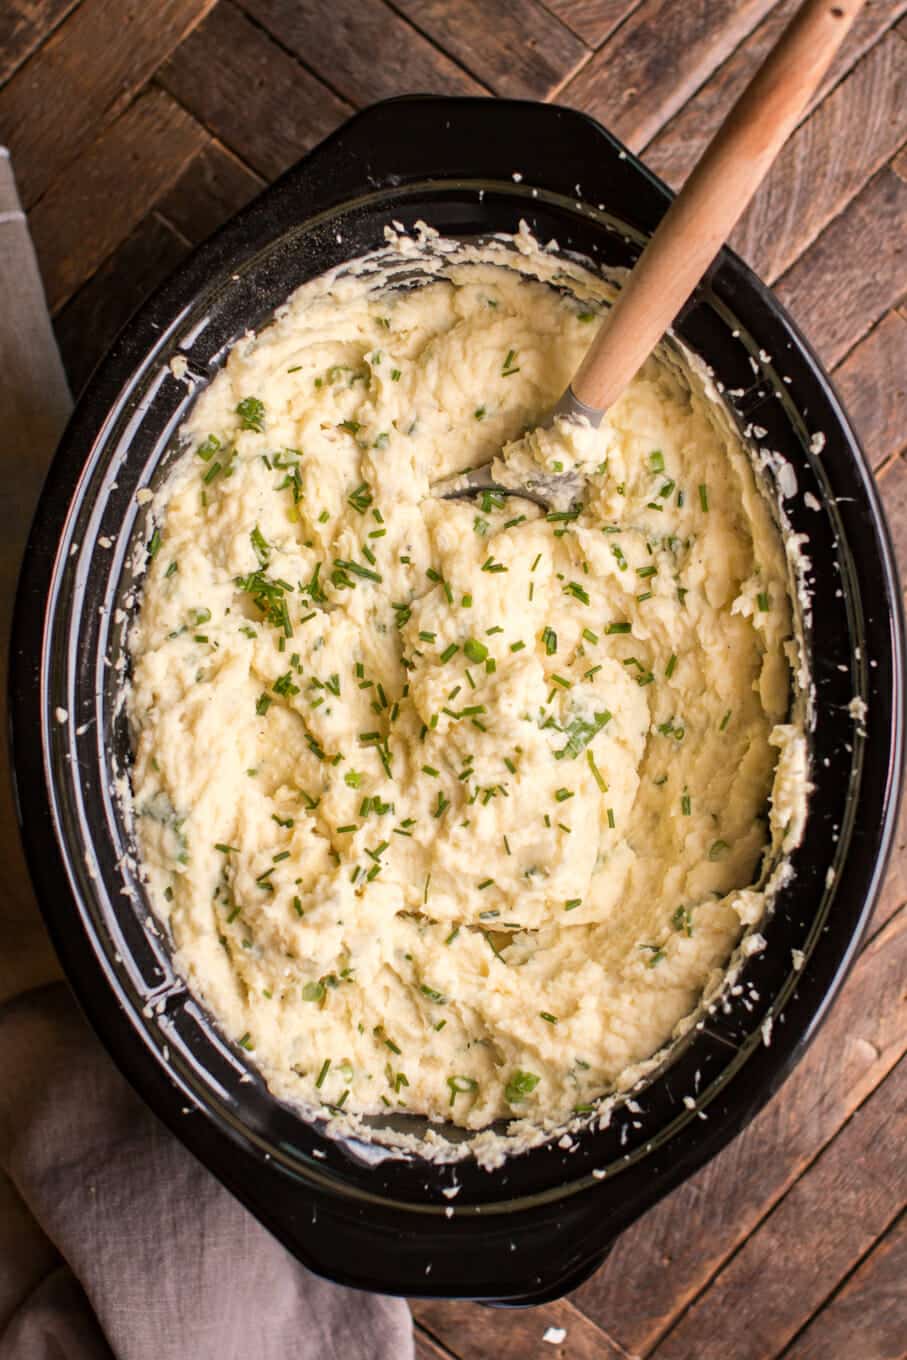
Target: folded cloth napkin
{"points": [[114, 1241]]}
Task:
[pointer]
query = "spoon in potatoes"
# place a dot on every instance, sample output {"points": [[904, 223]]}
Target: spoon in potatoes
{"points": [[685, 243]]}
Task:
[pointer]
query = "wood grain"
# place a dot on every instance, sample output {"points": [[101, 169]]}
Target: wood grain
{"points": [[264, 80], [701, 217], [362, 49], [676, 149], [464, 1328], [24, 24], [520, 51], [427, 1349], [88, 324], [831, 291], [592, 20], [662, 1263], [283, 110], [639, 78], [83, 76], [893, 488], [813, 178], [787, 1269], [872, 381], [894, 891], [866, 1318], [899, 164], [213, 187], [97, 202]]}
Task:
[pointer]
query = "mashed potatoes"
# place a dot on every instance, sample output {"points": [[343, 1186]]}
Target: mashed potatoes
{"points": [[454, 806]]}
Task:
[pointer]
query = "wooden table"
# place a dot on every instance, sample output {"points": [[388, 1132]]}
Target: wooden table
{"points": [[137, 127]]}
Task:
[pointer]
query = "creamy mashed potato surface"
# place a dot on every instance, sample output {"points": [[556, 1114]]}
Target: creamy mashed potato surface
{"points": [[458, 807]]}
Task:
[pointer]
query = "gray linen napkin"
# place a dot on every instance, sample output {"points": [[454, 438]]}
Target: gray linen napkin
{"points": [[114, 1241]]}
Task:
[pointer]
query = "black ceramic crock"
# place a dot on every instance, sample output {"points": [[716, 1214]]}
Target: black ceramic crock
{"points": [[539, 1225]]}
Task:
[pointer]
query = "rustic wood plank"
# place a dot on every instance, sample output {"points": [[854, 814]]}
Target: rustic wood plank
{"points": [[831, 1217], [656, 60], [899, 164], [894, 892], [592, 20], [854, 272], [677, 148], [827, 161], [24, 24], [250, 93], [872, 382], [521, 51], [88, 324], [210, 190], [101, 198], [469, 1331], [82, 78], [866, 1319], [427, 1349], [362, 49], [893, 486], [665, 1260]]}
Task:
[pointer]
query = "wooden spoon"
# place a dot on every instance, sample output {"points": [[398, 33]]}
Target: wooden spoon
{"points": [[695, 226]]}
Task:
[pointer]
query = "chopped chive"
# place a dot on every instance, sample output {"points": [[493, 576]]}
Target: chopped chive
{"points": [[611, 822], [656, 461], [325, 1068], [208, 448], [546, 1015], [251, 413], [762, 601], [519, 1086], [717, 849], [517, 646], [618, 628], [577, 591], [360, 499], [703, 495], [561, 795], [573, 903], [686, 804], [596, 772], [449, 652], [458, 1085], [476, 651], [672, 662], [549, 637]]}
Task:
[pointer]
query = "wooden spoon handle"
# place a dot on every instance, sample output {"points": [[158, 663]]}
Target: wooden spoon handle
{"points": [[701, 217]]}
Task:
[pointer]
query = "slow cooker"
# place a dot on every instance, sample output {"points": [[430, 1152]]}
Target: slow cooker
{"points": [[354, 1212]]}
